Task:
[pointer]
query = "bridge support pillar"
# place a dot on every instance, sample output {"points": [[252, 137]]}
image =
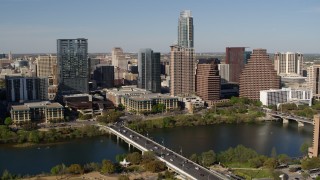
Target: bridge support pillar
{"points": [[285, 121], [300, 124], [129, 146], [117, 139]]}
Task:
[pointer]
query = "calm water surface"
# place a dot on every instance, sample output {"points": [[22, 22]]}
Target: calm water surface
{"points": [[260, 137]]}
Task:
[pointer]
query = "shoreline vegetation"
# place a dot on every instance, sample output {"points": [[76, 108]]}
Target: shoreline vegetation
{"points": [[241, 161], [24, 138], [238, 110]]}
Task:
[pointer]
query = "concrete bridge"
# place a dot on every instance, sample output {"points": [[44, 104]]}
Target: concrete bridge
{"points": [[286, 117], [183, 166]]}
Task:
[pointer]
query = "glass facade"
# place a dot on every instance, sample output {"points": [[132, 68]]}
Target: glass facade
{"points": [[185, 29], [73, 65]]}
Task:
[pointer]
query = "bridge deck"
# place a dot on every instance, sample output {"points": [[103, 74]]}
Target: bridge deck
{"points": [[172, 159], [291, 117]]}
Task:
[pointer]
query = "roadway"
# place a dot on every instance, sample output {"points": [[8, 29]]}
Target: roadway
{"points": [[167, 155]]}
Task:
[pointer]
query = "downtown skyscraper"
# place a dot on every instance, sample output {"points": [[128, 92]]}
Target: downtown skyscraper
{"points": [[149, 70], [73, 65], [182, 60], [185, 29]]}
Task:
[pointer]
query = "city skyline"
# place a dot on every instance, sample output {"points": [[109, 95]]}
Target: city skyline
{"points": [[32, 26]]}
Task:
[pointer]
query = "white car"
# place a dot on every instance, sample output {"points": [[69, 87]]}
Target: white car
{"points": [[197, 168]]}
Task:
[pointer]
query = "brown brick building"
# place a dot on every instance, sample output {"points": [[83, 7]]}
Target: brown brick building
{"points": [[182, 71], [208, 79], [257, 75], [236, 57]]}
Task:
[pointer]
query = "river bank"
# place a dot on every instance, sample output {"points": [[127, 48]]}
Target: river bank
{"points": [[24, 138], [96, 176], [211, 117]]}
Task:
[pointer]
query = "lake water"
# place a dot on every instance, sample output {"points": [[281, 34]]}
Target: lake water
{"points": [[260, 137]]}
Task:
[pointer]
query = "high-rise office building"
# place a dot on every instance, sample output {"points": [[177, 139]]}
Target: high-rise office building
{"points": [[208, 79], [182, 71], [236, 57], [258, 75], [21, 89], [288, 64], [313, 80], [149, 70], [119, 59], [185, 29], [104, 76], [73, 65]]}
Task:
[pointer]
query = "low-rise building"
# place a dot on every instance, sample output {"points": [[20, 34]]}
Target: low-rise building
{"points": [[191, 103], [37, 111], [285, 95], [114, 95], [144, 103]]}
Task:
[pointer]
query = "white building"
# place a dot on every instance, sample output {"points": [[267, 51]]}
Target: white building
{"points": [[224, 73], [119, 60], [288, 64], [192, 102], [285, 95]]}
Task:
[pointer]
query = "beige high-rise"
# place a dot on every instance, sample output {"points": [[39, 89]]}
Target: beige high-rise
{"points": [[47, 67], [182, 71], [314, 150], [313, 80], [119, 59], [288, 64]]}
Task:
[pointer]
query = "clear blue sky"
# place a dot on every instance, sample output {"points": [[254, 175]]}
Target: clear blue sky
{"points": [[32, 26]]}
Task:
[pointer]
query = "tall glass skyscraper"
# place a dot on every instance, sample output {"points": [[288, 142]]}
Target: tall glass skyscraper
{"points": [[149, 70], [185, 29], [73, 65]]}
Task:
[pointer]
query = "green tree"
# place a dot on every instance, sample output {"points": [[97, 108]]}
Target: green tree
{"points": [[208, 158], [33, 137], [120, 157], [304, 148], [58, 169], [257, 161], [168, 122], [270, 163], [283, 159], [194, 158], [120, 107], [134, 158], [8, 121], [310, 163], [89, 167], [6, 175], [147, 157], [107, 167], [75, 169], [155, 166]]}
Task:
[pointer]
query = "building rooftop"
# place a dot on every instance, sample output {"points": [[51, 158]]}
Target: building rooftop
{"points": [[126, 90], [147, 97], [27, 106]]}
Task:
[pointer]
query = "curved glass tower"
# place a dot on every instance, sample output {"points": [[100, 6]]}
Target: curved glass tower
{"points": [[185, 29]]}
